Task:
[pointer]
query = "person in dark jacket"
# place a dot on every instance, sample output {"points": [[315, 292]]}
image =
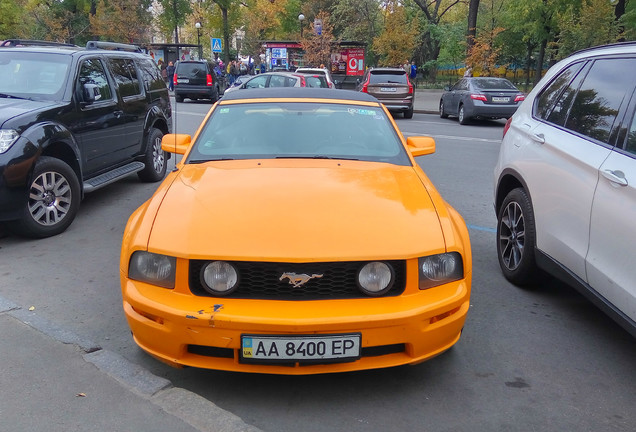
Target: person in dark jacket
{"points": [[170, 71]]}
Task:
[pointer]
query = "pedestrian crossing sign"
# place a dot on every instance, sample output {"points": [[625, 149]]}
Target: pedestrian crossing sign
{"points": [[217, 45]]}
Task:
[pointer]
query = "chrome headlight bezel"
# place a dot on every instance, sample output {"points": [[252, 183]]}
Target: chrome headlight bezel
{"points": [[152, 268], [440, 269], [379, 273], [7, 138], [219, 278]]}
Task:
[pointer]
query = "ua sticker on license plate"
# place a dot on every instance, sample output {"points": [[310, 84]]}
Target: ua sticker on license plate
{"points": [[500, 99], [339, 347], [388, 89]]}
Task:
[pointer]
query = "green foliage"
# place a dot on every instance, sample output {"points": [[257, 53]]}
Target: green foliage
{"points": [[575, 24], [453, 49], [174, 13], [10, 18]]}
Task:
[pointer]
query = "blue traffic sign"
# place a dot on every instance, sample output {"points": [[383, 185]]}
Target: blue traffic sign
{"points": [[217, 45]]}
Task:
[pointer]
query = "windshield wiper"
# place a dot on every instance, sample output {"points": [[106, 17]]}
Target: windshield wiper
{"points": [[8, 96], [200, 161], [316, 157]]}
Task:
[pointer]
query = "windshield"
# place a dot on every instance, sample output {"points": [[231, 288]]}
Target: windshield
{"points": [[397, 77], [298, 130], [494, 84], [39, 76]]}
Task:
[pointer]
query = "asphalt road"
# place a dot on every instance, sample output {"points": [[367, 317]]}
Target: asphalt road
{"points": [[542, 360]]}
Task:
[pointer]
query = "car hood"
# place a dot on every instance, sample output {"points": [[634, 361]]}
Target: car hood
{"points": [[10, 107], [296, 210]]}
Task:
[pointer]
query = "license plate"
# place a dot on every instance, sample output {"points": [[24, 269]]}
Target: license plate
{"points": [[338, 347], [388, 89], [500, 99], [183, 80]]}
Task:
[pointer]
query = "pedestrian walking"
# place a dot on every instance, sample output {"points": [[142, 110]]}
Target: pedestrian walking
{"points": [[170, 72]]}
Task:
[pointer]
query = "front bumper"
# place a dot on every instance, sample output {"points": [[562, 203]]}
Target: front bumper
{"points": [[185, 330]]}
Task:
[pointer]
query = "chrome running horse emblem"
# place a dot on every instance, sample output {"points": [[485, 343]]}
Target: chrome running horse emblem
{"points": [[298, 279]]}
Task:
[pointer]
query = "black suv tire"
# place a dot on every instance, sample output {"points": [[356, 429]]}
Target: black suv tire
{"points": [[155, 158], [54, 198]]}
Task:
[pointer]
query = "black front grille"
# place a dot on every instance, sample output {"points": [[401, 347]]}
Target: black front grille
{"points": [[262, 280]]}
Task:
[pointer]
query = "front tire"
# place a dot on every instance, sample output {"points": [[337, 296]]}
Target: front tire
{"points": [[53, 201], [155, 158], [463, 119], [442, 111], [516, 239]]}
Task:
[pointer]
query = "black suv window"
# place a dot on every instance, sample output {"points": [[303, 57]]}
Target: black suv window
{"points": [[599, 98], [125, 74], [92, 72], [397, 77], [151, 74]]}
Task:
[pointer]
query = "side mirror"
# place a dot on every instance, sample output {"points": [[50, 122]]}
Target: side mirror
{"points": [[420, 145], [176, 143], [447, 88], [91, 93]]}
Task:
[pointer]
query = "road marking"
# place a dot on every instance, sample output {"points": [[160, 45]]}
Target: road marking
{"points": [[480, 228]]}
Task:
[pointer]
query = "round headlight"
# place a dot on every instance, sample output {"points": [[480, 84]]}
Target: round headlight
{"points": [[440, 267], [375, 278], [219, 278]]}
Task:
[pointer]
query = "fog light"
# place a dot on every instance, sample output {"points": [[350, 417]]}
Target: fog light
{"points": [[375, 278], [219, 278]]}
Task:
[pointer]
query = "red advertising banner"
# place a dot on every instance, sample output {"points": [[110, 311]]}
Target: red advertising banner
{"points": [[355, 61]]}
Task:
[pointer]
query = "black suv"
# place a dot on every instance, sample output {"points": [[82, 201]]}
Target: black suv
{"points": [[196, 79], [73, 120]]}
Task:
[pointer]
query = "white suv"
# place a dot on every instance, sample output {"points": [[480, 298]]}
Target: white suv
{"points": [[565, 181], [319, 71]]}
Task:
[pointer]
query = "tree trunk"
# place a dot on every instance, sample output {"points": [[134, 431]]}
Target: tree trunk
{"points": [[619, 11], [226, 36], [471, 34], [176, 26], [539, 68], [526, 71]]}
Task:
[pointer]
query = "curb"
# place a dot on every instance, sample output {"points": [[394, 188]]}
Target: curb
{"points": [[183, 404]]}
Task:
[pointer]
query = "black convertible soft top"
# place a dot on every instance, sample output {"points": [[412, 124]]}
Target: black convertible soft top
{"points": [[298, 93]]}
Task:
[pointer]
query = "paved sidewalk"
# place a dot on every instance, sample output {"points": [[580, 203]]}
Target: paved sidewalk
{"points": [[53, 381]]}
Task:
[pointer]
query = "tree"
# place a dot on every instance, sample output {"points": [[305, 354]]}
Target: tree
{"points": [[434, 11], [575, 24], [12, 15], [122, 20], [173, 15], [399, 38], [318, 41], [60, 20], [262, 21]]}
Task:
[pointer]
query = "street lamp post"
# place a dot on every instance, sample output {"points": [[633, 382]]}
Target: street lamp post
{"points": [[198, 27], [301, 18]]}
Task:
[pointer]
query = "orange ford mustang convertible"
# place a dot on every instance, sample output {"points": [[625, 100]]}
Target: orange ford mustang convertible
{"points": [[297, 235]]}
